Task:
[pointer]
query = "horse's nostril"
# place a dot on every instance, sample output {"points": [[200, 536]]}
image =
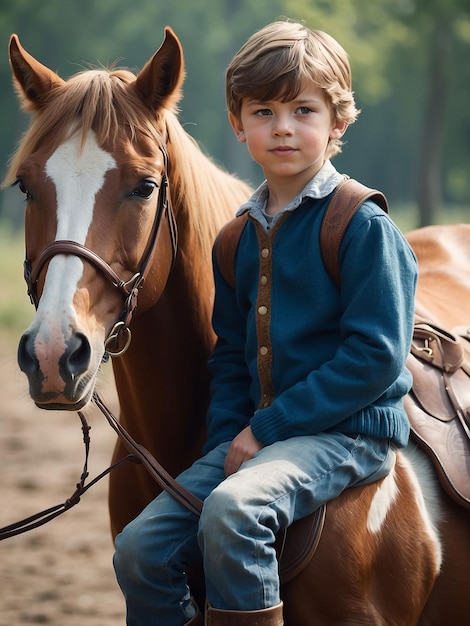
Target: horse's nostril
{"points": [[78, 356], [27, 359]]}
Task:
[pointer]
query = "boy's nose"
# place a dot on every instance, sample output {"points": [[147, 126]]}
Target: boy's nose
{"points": [[282, 125]]}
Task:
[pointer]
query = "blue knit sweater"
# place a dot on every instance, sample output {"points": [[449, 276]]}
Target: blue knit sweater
{"points": [[296, 356]]}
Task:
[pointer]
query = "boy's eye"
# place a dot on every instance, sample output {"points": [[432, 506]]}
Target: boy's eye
{"points": [[263, 112], [304, 110]]}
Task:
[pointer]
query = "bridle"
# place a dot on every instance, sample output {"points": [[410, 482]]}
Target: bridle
{"points": [[116, 344], [130, 288]]}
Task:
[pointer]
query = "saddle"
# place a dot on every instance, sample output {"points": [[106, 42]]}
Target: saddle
{"points": [[438, 405]]}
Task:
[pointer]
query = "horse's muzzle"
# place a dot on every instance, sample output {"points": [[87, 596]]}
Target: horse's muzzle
{"points": [[65, 386]]}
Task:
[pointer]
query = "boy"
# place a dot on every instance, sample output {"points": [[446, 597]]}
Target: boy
{"points": [[307, 380]]}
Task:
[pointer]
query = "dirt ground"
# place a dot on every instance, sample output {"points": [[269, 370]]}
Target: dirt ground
{"points": [[60, 574]]}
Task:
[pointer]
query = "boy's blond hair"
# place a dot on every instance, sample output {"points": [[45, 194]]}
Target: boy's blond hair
{"points": [[276, 62]]}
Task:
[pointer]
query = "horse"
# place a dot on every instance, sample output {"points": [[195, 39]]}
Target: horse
{"points": [[115, 269], [123, 123]]}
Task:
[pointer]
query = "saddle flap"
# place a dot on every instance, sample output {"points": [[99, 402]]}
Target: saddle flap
{"points": [[446, 443], [296, 544], [428, 390], [438, 406]]}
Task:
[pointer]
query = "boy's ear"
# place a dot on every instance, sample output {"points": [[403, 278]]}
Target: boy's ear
{"points": [[236, 124], [338, 130]]}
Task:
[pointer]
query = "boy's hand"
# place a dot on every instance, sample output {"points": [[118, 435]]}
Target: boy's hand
{"points": [[242, 448]]}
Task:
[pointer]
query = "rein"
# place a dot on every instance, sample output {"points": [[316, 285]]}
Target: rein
{"points": [[138, 454], [129, 290]]}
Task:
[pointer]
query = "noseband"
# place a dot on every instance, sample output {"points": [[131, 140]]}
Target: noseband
{"points": [[120, 334]]}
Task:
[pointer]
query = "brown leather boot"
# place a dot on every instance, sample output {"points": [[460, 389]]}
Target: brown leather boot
{"points": [[263, 617]]}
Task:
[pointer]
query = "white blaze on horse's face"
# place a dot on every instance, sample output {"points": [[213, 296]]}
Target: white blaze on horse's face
{"points": [[78, 173]]}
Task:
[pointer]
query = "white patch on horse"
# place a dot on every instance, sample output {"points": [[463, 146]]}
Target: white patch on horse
{"points": [[423, 477], [382, 502], [423, 480], [78, 174]]}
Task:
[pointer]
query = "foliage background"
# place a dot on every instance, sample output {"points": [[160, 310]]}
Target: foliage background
{"points": [[410, 68]]}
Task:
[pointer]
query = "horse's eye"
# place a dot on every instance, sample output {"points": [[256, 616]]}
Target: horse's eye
{"points": [[22, 187], [144, 189]]}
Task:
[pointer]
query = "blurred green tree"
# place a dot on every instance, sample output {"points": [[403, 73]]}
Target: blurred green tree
{"points": [[409, 60]]}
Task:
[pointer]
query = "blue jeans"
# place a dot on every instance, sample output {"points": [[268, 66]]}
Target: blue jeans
{"points": [[235, 534]]}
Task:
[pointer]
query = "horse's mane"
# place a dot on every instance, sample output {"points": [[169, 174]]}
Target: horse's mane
{"points": [[101, 100], [97, 100], [199, 184]]}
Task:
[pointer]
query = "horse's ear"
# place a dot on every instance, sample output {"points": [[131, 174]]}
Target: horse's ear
{"points": [[32, 80], [159, 82]]}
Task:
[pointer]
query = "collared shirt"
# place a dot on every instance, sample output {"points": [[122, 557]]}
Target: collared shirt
{"points": [[320, 186]]}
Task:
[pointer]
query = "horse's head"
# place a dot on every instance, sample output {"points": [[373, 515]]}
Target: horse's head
{"points": [[92, 167]]}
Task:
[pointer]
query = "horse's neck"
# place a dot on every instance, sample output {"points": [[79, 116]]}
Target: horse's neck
{"points": [[162, 379]]}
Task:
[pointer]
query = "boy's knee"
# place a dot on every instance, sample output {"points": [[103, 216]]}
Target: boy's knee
{"points": [[218, 505], [131, 552], [221, 515], [126, 550]]}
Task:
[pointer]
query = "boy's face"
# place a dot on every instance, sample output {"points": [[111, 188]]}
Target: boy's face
{"points": [[288, 139]]}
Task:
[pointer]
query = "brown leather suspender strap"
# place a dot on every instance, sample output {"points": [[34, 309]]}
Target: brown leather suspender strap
{"points": [[226, 246], [349, 196]]}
